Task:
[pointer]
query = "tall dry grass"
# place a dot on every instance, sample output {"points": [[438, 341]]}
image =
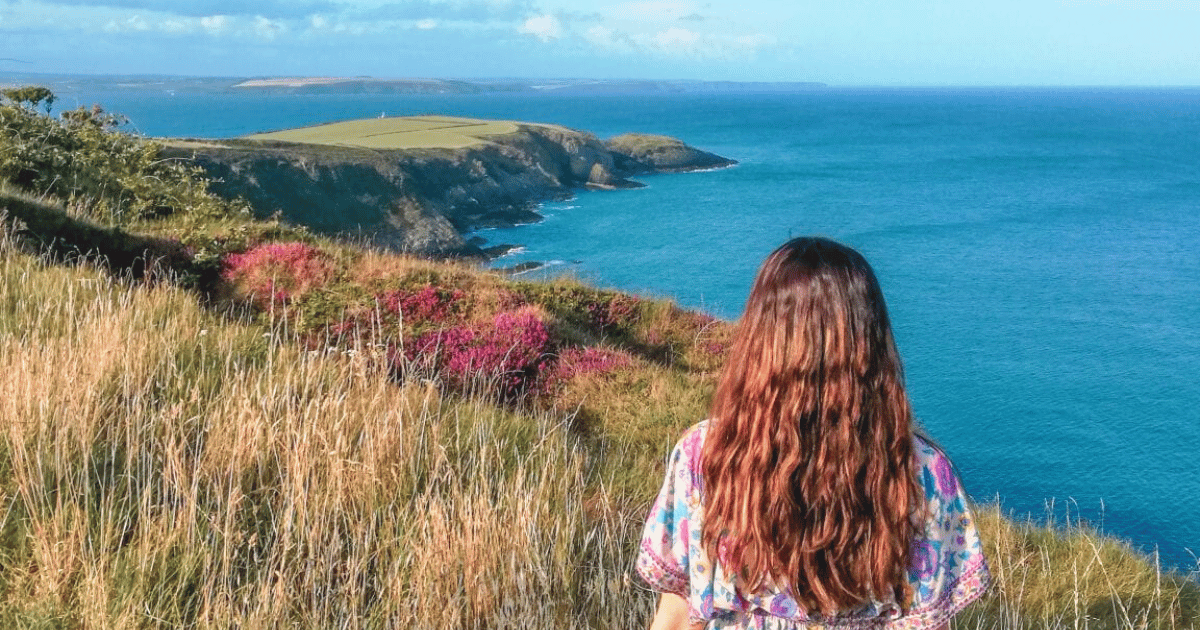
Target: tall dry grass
{"points": [[163, 467], [1066, 575]]}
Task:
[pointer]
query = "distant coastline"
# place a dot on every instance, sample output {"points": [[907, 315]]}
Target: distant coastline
{"points": [[64, 84]]}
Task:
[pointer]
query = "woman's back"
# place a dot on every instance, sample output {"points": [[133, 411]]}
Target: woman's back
{"points": [[806, 497], [947, 571]]}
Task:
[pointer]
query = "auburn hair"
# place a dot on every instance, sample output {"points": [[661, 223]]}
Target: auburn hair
{"points": [[809, 465]]}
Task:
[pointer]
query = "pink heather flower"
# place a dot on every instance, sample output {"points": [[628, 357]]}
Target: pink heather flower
{"points": [[590, 360], [574, 362], [614, 313], [428, 304], [512, 349], [276, 272]]}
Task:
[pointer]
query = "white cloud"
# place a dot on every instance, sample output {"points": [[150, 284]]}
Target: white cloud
{"points": [[427, 24], [133, 24], [755, 41], [214, 24], [602, 36], [654, 11], [176, 26], [543, 27], [289, 9], [355, 29], [676, 40], [211, 25], [268, 29], [319, 22]]}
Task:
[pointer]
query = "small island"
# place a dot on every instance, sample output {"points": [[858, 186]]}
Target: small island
{"points": [[418, 184]]}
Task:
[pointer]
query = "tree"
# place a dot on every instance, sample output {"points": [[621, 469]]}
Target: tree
{"points": [[31, 96]]}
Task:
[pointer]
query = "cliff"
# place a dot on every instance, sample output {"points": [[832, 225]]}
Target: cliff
{"points": [[417, 184], [647, 153]]}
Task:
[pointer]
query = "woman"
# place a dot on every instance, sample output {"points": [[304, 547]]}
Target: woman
{"points": [[808, 486]]}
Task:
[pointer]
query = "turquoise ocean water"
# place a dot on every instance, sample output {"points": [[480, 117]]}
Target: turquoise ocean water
{"points": [[1039, 248]]}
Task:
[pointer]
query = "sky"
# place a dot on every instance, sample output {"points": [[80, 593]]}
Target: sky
{"points": [[839, 42]]}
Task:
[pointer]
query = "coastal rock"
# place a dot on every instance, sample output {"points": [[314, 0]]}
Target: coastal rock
{"points": [[421, 200], [638, 153]]}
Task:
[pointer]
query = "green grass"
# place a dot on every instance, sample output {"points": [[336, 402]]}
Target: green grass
{"points": [[409, 132]]}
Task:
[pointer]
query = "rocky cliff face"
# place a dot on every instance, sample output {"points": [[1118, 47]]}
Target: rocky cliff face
{"points": [[413, 200]]}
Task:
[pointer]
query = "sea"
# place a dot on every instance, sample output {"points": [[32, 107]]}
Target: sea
{"points": [[1039, 250]]}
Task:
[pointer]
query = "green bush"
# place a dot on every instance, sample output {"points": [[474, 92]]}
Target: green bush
{"points": [[83, 159]]}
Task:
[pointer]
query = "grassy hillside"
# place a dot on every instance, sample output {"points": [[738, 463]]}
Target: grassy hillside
{"points": [[320, 436], [167, 466]]}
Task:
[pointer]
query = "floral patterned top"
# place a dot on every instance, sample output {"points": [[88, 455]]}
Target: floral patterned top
{"points": [[948, 568]]}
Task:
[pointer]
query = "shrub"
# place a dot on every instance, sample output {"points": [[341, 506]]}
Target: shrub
{"points": [[275, 273], [598, 312], [590, 360], [401, 313], [581, 362], [513, 349], [613, 314], [428, 305], [85, 161]]}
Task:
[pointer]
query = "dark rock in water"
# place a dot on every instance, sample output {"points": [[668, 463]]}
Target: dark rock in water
{"points": [[477, 241], [496, 251], [637, 153], [521, 268], [500, 218]]}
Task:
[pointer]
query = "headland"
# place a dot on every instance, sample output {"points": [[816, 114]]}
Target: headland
{"points": [[418, 184]]}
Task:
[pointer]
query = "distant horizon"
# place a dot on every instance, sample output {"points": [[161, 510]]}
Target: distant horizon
{"points": [[6, 73], [899, 43]]}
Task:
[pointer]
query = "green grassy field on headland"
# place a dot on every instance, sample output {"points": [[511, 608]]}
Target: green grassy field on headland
{"points": [[279, 430], [407, 132]]}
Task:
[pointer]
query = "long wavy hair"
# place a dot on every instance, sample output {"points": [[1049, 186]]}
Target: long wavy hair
{"points": [[809, 464]]}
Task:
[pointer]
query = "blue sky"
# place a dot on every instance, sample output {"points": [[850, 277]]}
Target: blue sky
{"points": [[841, 42]]}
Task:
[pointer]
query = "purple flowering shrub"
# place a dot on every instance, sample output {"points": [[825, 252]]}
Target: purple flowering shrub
{"points": [[590, 360], [612, 314], [403, 312], [581, 362], [276, 273], [602, 313], [428, 304], [691, 340], [513, 349]]}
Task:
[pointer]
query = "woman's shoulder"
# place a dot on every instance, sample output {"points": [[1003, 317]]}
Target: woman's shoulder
{"points": [[692, 441], [928, 452], [935, 472], [694, 435]]}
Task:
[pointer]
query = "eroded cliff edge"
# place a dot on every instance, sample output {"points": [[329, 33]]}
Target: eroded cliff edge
{"points": [[422, 200]]}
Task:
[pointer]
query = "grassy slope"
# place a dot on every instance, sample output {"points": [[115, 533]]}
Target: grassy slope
{"points": [[165, 466]]}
